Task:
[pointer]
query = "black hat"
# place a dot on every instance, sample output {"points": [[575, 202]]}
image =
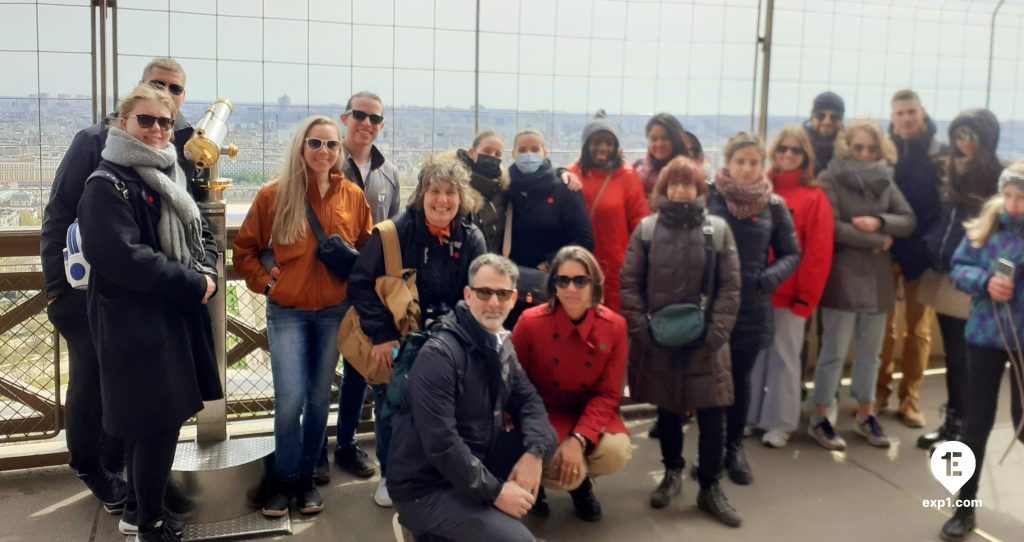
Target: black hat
{"points": [[829, 100]]}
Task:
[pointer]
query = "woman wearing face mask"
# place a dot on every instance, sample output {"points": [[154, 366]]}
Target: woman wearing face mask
{"points": [[666, 139], [869, 211], [575, 343], [971, 178], [669, 269], [763, 227], [488, 184], [153, 272], [614, 196], [996, 311], [776, 380]]}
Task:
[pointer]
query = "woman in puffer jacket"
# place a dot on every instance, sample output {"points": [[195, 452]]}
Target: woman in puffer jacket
{"points": [[996, 319], [669, 268], [972, 174], [870, 210]]}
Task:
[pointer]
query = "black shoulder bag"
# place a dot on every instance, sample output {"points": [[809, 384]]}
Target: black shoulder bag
{"points": [[334, 252]]}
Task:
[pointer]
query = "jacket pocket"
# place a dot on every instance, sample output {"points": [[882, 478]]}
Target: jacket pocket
{"points": [[129, 324]]}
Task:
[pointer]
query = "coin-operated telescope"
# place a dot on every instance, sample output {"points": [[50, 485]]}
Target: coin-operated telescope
{"points": [[206, 146]]}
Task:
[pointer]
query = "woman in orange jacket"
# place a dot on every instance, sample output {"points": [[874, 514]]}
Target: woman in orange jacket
{"points": [[305, 300]]}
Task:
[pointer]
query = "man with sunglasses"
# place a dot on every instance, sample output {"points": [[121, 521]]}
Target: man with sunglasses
{"points": [[918, 176], [825, 123], [470, 443], [364, 165], [97, 457]]}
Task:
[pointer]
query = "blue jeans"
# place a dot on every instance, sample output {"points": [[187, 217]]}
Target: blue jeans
{"points": [[303, 356], [350, 407], [838, 328]]}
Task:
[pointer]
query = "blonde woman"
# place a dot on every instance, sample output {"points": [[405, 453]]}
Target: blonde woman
{"points": [[305, 301], [997, 233], [869, 212]]}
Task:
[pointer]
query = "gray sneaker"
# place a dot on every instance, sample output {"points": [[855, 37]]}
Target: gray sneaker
{"points": [[871, 430], [826, 436]]}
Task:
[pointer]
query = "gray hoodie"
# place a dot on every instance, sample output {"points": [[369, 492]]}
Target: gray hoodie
{"points": [[381, 185]]}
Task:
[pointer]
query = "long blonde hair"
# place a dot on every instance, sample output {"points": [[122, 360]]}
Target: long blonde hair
{"points": [[290, 201], [980, 228]]}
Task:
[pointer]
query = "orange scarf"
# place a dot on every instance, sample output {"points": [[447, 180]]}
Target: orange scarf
{"points": [[440, 233]]}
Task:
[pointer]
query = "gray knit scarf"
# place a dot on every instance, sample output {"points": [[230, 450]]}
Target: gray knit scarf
{"points": [[180, 229]]}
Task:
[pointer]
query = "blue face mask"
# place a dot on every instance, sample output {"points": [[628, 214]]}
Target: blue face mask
{"points": [[528, 162]]}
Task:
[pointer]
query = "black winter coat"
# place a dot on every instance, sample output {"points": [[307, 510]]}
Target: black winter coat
{"points": [[771, 230], [918, 177], [458, 393], [546, 216], [824, 147], [81, 159], [153, 337], [442, 271]]}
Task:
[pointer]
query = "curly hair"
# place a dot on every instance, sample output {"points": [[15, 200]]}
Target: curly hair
{"points": [[437, 169], [886, 148]]}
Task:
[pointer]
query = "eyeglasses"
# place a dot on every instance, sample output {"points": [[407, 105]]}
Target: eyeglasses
{"points": [[579, 281], [360, 116], [173, 88], [965, 133], [315, 144], [146, 121], [858, 148], [485, 294], [783, 149], [822, 115]]}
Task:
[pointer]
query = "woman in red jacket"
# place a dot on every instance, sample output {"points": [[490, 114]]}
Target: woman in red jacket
{"points": [[614, 196], [574, 350], [775, 400]]}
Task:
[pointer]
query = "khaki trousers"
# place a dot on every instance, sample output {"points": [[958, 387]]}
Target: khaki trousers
{"points": [[916, 344], [613, 450]]}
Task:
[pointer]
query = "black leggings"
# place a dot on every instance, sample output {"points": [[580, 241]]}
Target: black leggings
{"points": [[984, 375], [710, 443], [149, 458], [955, 346], [743, 358]]}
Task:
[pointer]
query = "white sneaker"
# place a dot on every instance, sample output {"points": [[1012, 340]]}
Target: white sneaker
{"points": [[775, 439], [381, 496]]}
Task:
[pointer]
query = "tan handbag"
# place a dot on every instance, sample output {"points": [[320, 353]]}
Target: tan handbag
{"points": [[397, 290], [937, 291]]}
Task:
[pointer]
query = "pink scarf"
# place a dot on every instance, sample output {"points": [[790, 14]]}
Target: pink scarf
{"points": [[743, 201]]}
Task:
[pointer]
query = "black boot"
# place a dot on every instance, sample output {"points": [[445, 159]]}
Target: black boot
{"points": [[670, 486], [540, 507], [585, 503], [712, 500], [308, 498], [949, 430], [736, 464], [959, 526], [279, 499], [653, 431]]}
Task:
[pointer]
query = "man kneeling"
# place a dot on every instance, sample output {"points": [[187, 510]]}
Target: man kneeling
{"points": [[467, 407]]}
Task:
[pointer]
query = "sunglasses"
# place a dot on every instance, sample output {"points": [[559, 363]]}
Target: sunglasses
{"points": [[783, 149], [579, 281], [146, 121], [965, 133], [858, 148], [360, 116], [485, 294], [173, 88], [825, 115], [315, 144]]}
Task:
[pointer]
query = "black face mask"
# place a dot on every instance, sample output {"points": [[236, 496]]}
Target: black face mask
{"points": [[487, 166]]}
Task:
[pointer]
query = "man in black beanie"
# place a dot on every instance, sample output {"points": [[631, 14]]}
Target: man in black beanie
{"points": [[826, 121]]}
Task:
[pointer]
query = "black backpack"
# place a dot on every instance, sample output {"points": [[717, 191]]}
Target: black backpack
{"points": [[412, 344]]}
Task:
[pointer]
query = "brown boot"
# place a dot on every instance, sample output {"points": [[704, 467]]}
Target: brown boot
{"points": [[910, 415]]}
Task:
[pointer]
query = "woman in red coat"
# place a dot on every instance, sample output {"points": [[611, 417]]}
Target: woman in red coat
{"points": [[574, 350], [775, 397], [615, 199]]}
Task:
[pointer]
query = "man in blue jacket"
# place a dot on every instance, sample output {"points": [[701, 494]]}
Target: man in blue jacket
{"points": [[453, 440], [96, 457], [918, 177]]}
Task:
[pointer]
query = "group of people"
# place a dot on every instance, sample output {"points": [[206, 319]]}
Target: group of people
{"points": [[697, 289]]}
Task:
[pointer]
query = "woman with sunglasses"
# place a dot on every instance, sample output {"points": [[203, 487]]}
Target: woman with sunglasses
{"points": [[869, 212], [438, 240], [671, 268], [769, 253], [972, 176], [614, 197], [153, 271], [776, 379], [305, 301], [574, 351]]}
